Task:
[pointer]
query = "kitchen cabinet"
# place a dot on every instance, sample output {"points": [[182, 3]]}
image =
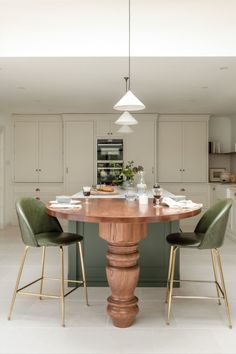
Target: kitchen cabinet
{"points": [[182, 151], [107, 128], [139, 146], [38, 151], [79, 155], [197, 192]]}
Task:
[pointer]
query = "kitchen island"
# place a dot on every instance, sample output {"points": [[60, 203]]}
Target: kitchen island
{"points": [[122, 224], [154, 250]]}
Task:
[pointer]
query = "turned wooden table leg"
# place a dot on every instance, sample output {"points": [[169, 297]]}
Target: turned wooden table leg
{"points": [[122, 269]]}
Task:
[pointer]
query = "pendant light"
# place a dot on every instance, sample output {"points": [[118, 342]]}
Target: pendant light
{"points": [[129, 102], [125, 129], [126, 118]]}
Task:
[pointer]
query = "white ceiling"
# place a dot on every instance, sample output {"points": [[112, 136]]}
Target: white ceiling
{"points": [[93, 85]]}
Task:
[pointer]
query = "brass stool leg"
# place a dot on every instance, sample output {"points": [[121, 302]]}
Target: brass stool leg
{"points": [[83, 272], [18, 281], [169, 271], [224, 288], [42, 271], [215, 274], [62, 288], [171, 284]]}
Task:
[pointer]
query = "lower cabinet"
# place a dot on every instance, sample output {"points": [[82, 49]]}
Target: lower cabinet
{"points": [[197, 192]]}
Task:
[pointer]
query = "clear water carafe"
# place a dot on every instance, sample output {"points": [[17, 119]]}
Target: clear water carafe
{"points": [[141, 185]]}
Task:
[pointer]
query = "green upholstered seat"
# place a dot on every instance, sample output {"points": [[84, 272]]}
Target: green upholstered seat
{"points": [[40, 229], [57, 238], [208, 234], [184, 239], [210, 230]]}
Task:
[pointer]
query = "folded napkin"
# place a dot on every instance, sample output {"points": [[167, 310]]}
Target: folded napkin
{"points": [[64, 206], [182, 204]]}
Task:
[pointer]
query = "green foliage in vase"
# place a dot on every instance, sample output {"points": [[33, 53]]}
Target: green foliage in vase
{"points": [[127, 173]]}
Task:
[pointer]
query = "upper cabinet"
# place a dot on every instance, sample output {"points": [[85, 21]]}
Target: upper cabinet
{"points": [[139, 146], [38, 149], [183, 149], [107, 128], [79, 155]]}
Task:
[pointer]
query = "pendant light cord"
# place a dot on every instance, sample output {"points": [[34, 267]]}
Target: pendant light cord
{"points": [[129, 45]]}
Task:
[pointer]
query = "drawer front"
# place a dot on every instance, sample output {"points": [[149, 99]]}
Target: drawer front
{"points": [[198, 192]]}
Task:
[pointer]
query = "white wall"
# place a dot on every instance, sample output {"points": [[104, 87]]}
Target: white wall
{"points": [[99, 28], [6, 125]]}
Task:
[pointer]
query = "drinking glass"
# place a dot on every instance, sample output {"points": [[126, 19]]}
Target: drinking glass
{"points": [[86, 193], [157, 196]]}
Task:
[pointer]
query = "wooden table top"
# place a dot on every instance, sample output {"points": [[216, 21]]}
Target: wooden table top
{"points": [[121, 211]]}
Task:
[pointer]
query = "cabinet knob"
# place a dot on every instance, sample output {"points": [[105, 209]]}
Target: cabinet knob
{"points": [[182, 190], [180, 169], [40, 170], [214, 188], [36, 170], [37, 190], [183, 170], [235, 194]]}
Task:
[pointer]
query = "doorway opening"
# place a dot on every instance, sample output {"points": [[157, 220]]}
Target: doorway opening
{"points": [[2, 179]]}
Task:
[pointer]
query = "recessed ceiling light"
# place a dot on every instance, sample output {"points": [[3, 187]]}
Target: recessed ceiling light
{"points": [[224, 68], [204, 87], [21, 88]]}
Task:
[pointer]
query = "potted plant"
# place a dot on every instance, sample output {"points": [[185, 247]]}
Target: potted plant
{"points": [[127, 174]]}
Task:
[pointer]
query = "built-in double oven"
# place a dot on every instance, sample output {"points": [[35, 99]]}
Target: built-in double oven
{"points": [[109, 160]]}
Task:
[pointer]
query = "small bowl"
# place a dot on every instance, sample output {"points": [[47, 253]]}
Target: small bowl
{"points": [[63, 199]]}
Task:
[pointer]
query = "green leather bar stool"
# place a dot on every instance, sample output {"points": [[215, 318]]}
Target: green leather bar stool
{"points": [[38, 229], [208, 234]]}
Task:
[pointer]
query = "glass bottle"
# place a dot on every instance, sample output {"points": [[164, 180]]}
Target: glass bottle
{"points": [[141, 185]]}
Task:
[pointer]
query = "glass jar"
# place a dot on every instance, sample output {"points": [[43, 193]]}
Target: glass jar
{"points": [[141, 185]]}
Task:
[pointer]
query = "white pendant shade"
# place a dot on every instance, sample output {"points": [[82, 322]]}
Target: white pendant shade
{"points": [[129, 102], [125, 129], [126, 119]]}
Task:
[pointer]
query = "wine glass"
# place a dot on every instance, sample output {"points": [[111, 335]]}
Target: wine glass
{"points": [[157, 195], [86, 193]]}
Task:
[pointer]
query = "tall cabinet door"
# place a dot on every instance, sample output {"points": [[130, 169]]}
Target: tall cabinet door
{"points": [[26, 152], [169, 163], [50, 152], [194, 152], [140, 147], [79, 155]]}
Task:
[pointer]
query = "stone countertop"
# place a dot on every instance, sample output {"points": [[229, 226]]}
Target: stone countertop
{"points": [[120, 194]]}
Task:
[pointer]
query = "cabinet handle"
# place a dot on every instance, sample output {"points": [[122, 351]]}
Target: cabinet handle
{"points": [[67, 169], [235, 194], [182, 190], [214, 188]]}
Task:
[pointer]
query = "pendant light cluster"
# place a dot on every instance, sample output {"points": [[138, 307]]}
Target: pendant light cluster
{"points": [[129, 102]]}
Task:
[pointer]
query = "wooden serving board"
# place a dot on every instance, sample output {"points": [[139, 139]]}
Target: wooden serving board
{"points": [[94, 192]]}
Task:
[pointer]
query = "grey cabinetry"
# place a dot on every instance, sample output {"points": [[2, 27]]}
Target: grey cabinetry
{"points": [[38, 150]]}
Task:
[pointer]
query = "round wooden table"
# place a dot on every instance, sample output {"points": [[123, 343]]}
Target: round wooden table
{"points": [[122, 224]]}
